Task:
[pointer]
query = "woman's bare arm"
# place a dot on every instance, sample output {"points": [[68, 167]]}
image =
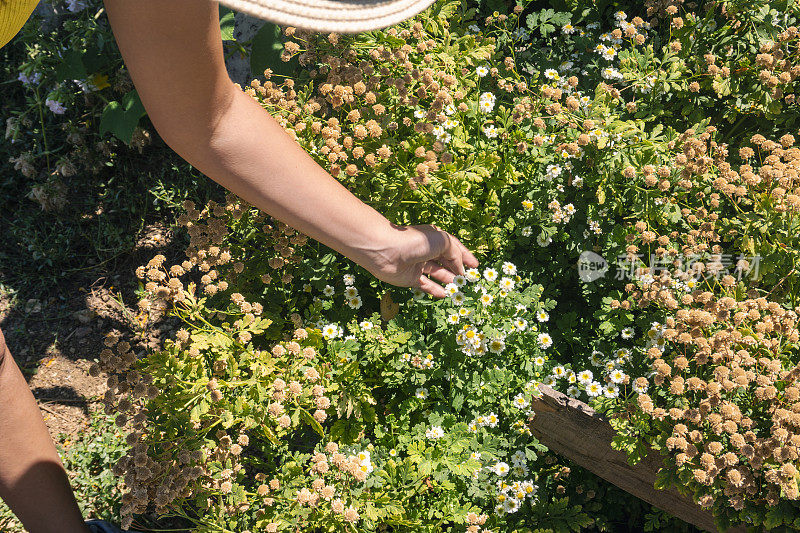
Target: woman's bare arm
{"points": [[173, 51]]}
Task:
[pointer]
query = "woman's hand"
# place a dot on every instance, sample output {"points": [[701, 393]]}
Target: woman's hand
{"points": [[414, 256]]}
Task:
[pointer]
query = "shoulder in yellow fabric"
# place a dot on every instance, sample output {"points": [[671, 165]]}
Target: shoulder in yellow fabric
{"points": [[13, 14]]}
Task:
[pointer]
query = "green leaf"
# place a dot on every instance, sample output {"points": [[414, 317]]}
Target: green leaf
{"points": [[267, 47], [226, 23], [121, 118], [71, 67], [313, 422]]}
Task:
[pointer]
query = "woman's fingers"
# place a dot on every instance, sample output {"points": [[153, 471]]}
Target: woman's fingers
{"points": [[430, 287], [448, 258], [468, 258], [438, 272]]}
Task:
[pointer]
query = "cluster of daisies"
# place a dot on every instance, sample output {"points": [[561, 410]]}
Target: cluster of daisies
{"points": [[472, 301], [512, 495], [491, 420], [441, 131], [609, 370], [561, 213], [434, 433], [365, 462], [351, 297], [486, 104], [418, 360]]}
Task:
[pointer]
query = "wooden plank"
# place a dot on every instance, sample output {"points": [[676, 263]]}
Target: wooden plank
{"points": [[576, 431]]}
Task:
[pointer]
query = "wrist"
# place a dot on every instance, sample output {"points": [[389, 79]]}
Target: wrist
{"points": [[378, 251]]}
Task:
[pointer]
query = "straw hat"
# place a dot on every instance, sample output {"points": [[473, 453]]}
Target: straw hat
{"points": [[339, 16]]}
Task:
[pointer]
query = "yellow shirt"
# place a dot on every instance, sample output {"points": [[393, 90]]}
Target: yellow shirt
{"points": [[13, 14]]}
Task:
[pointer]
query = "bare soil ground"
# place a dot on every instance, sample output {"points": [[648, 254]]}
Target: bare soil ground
{"points": [[55, 340]]}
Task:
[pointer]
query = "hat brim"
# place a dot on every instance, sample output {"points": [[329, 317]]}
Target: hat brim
{"points": [[339, 16]]}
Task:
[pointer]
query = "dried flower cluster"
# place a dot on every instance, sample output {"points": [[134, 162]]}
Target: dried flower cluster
{"points": [[730, 408]]}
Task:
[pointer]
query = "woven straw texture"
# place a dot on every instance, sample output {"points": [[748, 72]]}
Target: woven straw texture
{"points": [[339, 16]]}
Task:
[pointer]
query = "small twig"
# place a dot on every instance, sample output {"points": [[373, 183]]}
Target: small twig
{"points": [[52, 412], [781, 281], [44, 399]]}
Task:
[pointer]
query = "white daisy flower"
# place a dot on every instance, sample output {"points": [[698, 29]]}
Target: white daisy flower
{"points": [[617, 376], [594, 389], [585, 377], [627, 333], [622, 353], [354, 302], [328, 290], [453, 318], [451, 289], [481, 71], [349, 279], [545, 340], [434, 433], [458, 298], [539, 361], [509, 268], [611, 391], [501, 468], [507, 283], [542, 316], [331, 331], [497, 345], [520, 402], [609, 53], [559, 371], [421, 393], [520, 324], [459, 280], [553, 171], [350, 292], [473, 275], [490, 274]]}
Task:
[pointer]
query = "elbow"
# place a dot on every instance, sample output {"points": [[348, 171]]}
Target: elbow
{"points": [[190, 126]]}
